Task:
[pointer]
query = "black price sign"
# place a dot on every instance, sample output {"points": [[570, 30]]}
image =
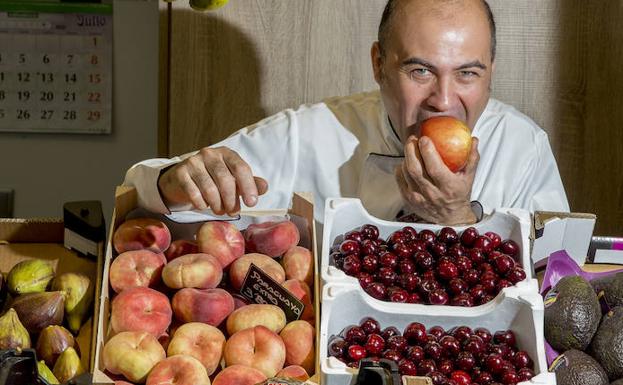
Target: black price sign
{"points": [[260, 288]]}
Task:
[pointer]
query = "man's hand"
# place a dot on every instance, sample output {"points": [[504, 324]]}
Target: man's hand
{"points": [[214, 178], [430, 189]]}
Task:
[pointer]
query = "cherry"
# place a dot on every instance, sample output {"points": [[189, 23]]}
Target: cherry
{"points": [[476, 255], [406, 266], [426, 366], [369, 247], [463, 264], [399, 295], [351, 265], [484, 334], [465, 361], [517, 274], [446, 367], [475, 345], [415, 333], [484, 378], [369, 231], [387, 276], [525, 374], [510, 377], [414, 298], [397, 343], [447, 235], [375, 344], [427, 236], [370, 326], [495, 238], [370, 263], [471, 276], [484, 243], [457, 286], [337, 259], [427, 286], [477, 292], [505, 336], [365, 279], [510, 247], [521, 359], [415, 353], [407, 367], [461, 377], [388, 259], [390, 331], [493, 363], [456, 250], [462, 333], [429, 274], [357, 352], [463, 299], [503, 264], [354, 235], [437, 377], [438, 249], [438, 297], [376, 290], [502, 283], [447, 270], [349, 246], [424, 260], [485, 267], [402, 250], [353, 334], [451, 347], [489, 284], [392, 354], [437, 331], [410, 233], [418, 245], [469, 235], [396, 237], [408, 281], [337, 347]]}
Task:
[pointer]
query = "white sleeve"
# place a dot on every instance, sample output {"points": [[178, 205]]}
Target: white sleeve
{"points": [[270, 147]]}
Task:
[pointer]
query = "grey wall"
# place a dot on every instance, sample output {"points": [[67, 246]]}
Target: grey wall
{"points": [[46, 170]]}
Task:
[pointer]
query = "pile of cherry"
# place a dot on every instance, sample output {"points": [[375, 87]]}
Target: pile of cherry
{"points": [[423, 267], [459, 356]]}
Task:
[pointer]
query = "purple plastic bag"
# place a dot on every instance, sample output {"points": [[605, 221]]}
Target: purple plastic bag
{"points": [[560, 264]]}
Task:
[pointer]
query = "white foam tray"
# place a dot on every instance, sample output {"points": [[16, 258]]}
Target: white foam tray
{"points": [[346, 214], [519, 309]]}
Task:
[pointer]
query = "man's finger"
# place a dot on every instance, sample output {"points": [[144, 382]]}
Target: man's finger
{"points": [[245, 183], [435, 167], [261, 184], [191, 190], [473, 159], [225, 182]]}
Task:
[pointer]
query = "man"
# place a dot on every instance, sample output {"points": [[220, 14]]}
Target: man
{"points": [[432, 58]]}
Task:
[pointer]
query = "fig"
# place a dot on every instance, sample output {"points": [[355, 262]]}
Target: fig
{"points": [[67, 365], [30, 276], [78, 297], [52, 341], [40, 310], [13, 335], [46, 373]]}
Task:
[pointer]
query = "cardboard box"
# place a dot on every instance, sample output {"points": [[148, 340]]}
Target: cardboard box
{"points": [[22, 239], [126, 202]]}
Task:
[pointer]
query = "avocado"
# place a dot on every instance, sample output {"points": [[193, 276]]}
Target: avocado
{"points": [[574, 367], [607, 345], [572, 314], [612, 288]]}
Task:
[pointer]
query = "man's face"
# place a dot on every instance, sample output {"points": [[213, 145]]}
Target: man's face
{"points": [[437, 61]]}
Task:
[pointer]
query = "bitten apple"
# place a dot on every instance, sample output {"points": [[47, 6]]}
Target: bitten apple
{"points": [[452, 139]]}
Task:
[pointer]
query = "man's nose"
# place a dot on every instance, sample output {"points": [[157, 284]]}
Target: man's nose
{"points": [[441, 95]]}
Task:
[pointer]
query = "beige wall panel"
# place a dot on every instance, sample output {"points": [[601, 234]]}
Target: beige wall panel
{"points": [[558, 61]]}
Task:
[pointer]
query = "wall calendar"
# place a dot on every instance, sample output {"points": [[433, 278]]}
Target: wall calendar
{"points": [[56, 66]]}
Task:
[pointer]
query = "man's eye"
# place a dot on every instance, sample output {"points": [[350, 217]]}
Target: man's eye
{"points": [[420, 72], [468, 74]]}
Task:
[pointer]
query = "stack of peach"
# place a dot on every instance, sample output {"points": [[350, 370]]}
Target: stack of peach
{"points": [[176, 317]]}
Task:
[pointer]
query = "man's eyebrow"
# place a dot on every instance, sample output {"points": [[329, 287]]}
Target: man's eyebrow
{"points": [[422, 62], [475, 63]]}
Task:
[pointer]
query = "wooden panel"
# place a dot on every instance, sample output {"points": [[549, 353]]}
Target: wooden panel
{"points": [[558, 61]]}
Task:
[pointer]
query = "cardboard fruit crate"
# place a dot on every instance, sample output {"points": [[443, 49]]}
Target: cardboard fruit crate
{"points": [[22, 239], [516, 309], [126, 207]]}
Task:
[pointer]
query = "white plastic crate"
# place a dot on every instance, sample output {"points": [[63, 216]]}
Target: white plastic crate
{"points": [[518, 309], [346, 214]]}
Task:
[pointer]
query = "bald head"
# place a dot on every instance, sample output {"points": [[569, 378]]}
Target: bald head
{"points": [[438, 7]]}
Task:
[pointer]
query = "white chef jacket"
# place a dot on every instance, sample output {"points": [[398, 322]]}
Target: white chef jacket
{"points": [[345, 147]]}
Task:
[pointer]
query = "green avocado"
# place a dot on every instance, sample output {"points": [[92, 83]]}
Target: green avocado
{"points": [[611, 287], [578, 368], [607, 345], [572, 314]]}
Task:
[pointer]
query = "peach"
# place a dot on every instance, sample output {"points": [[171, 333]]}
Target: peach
{"points": [[296, 372], [193, 270], [142, 233], [136, 268], [210, 306], [272, 238], [221, 239], [141, 309], [239, 301], [298, 337], [301, 291], [202, 341], [239, 268], [239, 375], [178, 370], [132, 354], [298, 263], [123, 383], [257, 347], [252, 315], [180, 247]]}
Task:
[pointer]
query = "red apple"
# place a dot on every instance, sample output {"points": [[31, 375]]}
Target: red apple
{"points": [[452, 139]]}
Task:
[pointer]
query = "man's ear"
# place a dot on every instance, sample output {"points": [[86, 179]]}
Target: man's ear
{"points": [[377, 62]]}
